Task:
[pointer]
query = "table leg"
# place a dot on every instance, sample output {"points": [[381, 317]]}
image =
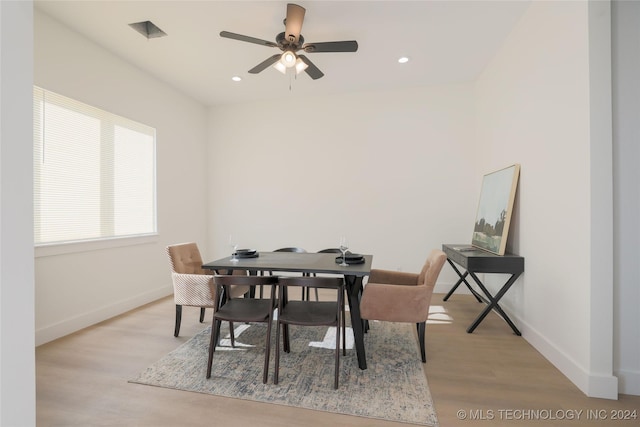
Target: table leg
{"points": [[354, 284], [463, 278], [492, 303]]}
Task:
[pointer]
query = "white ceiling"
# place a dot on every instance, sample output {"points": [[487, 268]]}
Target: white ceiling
{"points": [[447, 41]]}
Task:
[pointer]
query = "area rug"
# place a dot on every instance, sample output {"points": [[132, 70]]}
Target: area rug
{"points": [[393, 387]]}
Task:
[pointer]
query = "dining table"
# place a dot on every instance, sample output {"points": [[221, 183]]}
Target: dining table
{"points": [[309, 263]]}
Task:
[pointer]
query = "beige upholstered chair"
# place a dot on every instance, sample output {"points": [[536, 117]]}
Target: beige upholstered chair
{"points": [[395, 296], [192, 286]]}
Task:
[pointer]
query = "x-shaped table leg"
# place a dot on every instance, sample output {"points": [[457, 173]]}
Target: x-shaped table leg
{"points": [[492, 303], [354, 285], [463, 278]]}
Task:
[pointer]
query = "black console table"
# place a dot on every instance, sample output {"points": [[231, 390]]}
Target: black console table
{"points": [[474, 261]]}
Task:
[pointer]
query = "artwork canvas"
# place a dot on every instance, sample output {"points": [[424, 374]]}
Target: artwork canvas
{"points": [[494, 209]]}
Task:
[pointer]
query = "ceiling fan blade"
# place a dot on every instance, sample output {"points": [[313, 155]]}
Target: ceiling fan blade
{"points": [[242, 38], [264, 64], [313, 71], [293, 22], [343, 46]]}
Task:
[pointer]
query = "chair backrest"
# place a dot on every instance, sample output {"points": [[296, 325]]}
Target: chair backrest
{"points": [[312, 282], [292, 249], [237, 285], [330, 251], [431, 269], [185, 258], [226, 280], [306, 282]]}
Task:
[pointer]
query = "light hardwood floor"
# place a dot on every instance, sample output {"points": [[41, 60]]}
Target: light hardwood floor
{"points": [[491, 377]]}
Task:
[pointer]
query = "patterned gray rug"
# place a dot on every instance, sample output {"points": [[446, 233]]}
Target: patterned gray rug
{"points": [[393, 387]]}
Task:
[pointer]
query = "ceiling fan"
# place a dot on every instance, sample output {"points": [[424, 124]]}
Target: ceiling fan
{"points": [[290, 42]]}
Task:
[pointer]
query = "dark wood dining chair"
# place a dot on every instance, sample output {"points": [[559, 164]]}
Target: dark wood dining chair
{"points": [[330, 251], [247, 310], [299, 251], [291, 249], [309, 313]]}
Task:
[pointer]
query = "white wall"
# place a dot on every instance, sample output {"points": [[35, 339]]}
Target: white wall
{"points": [[626, 135], [17, 358], [77, 289], [393, 171], [538, 104]]}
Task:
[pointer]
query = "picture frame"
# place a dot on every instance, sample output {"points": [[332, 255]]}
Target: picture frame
{"points": [[495, 207]]}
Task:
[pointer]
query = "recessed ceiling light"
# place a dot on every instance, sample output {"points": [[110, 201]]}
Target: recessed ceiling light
{"points": [[403, 59], [236, 78]]}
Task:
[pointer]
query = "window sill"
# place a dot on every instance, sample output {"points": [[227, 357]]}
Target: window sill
{"points": [[94, 245]]}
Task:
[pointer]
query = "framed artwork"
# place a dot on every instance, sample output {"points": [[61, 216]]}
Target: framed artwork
{"points": [[494, 209]]}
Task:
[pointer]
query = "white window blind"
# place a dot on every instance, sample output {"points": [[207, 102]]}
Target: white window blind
{"points": [[94, 172]]}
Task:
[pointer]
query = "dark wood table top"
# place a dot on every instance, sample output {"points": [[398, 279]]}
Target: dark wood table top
{"points": [[478, 261], [293, 262]]}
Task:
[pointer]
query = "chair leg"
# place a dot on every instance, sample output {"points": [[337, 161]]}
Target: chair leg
{"points": [[421, 327], [215, 330], [201, 314], [276, 368], [344, 331], [232, 334], [337, 369], [176, 330], [286, 344], [365, 322], [285, 337], [267, 351]]}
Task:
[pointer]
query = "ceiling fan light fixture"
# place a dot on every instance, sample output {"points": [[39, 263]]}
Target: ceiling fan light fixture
{"points": [[300, 66], [280, 67], [288, 59]]}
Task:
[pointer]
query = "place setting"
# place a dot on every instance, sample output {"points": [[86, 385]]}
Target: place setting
{"points": [[246, 253], [348, 258], [237, 254]]}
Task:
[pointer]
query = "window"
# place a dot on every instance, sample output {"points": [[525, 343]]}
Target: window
{"points": [[94, 173]]}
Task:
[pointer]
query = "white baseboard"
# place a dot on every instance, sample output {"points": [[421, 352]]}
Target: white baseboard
{"points": [[605, 387], [600, 386], [74, 324], [629, 382]]}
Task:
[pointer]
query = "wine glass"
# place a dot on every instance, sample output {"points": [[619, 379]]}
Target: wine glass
{"points": [[234, 245], [344, 245]]}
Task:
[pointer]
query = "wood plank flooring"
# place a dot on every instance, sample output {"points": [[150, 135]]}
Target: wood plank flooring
{"points": [[490, 377]]}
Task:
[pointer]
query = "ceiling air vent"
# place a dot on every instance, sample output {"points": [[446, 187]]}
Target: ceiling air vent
{"points": [[148, 29]]}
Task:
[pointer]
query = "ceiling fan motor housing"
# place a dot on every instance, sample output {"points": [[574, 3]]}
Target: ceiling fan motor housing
{"points": [[289, 44]]}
